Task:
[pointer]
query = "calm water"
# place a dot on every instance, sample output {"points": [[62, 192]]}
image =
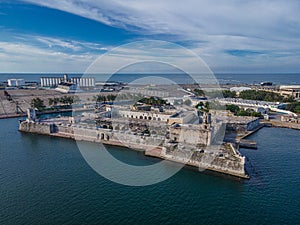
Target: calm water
{"points": [[179, 78], [44, 180]]}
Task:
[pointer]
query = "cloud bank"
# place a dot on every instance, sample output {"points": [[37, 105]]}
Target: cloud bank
{"points": [[228, 35]]}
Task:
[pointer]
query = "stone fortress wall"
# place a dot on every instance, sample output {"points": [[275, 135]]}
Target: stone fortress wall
{"points": [[186, 150]]}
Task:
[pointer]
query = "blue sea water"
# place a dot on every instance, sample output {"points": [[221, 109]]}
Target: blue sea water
{"points": [[179, 78], [45, 180]]}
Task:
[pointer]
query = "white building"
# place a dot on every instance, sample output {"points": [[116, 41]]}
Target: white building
{"points": [[240, 89], [290, 91], [53, 82], [15, 82]]}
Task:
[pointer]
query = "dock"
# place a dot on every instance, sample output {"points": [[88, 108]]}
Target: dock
{"points": [[244, 143]]}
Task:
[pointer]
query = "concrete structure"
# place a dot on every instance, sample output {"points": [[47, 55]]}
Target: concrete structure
{"points": [[242, 123], [290, 119], [192, 134], [144, 115], [53, 82], [258, 106], [188, 144], [239, 89], [68, 87], [15, 82], [290, 91], [182, 117], [31, 115], [50, 81]]}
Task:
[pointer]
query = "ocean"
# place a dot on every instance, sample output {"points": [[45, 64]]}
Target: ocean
{"points": [[179, 78], [45, 180]]}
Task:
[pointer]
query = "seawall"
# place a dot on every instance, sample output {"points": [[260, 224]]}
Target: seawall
{"points": [[153, 146]]}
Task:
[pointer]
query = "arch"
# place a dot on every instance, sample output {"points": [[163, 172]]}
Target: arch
{"points": [[145, 117], [102, 136], [154, 118], [159, 119], [149, 118], [141, 117], [107, 137]]}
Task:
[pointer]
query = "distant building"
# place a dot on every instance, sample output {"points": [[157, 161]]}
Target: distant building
{"points": [[53, 82], [290, 119], [239, 89], [66, 87], [266, 83], [15, 82], [290, 91]]}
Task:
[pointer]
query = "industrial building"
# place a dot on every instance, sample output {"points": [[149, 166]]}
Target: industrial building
{"points": [[290, 91], [15, 82], [53, 82]]}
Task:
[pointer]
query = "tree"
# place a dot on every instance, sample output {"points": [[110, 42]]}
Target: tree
{"points": [[67, 100], [199, 92], [233, 108], [294, 107], [38, 103], [50, 101], [264, 96], [206, 105], [249, 113], [111, 97], [229, 94], [199, 105], [153, 101], [100, 98], [55, 101]]}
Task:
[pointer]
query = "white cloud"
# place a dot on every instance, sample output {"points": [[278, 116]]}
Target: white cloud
{"points": [[212, 27], [194, 17], [58, 42], [70, 44], [20, 57]]}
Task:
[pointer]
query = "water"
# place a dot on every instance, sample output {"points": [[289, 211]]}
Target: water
{"points": [[179, 78], [44, 180]]}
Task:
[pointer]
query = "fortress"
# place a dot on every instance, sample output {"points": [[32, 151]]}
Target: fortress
{"points": [[177, 135]]}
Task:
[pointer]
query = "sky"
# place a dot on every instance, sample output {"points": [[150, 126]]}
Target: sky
{"points": [[230, 36]]}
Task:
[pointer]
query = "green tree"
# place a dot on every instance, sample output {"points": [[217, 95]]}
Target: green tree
{"points": [[229, 94], [264, 96], [199, 92], [101, 98], [199, 105], [154, 101], [38, 103], [294, 107], [206, 105], [111, 97], [233, 108], [50, 101], [67, 100], [249, 113]]}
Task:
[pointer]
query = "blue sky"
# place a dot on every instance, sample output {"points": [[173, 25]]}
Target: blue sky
{"points": [[230, 36]]}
